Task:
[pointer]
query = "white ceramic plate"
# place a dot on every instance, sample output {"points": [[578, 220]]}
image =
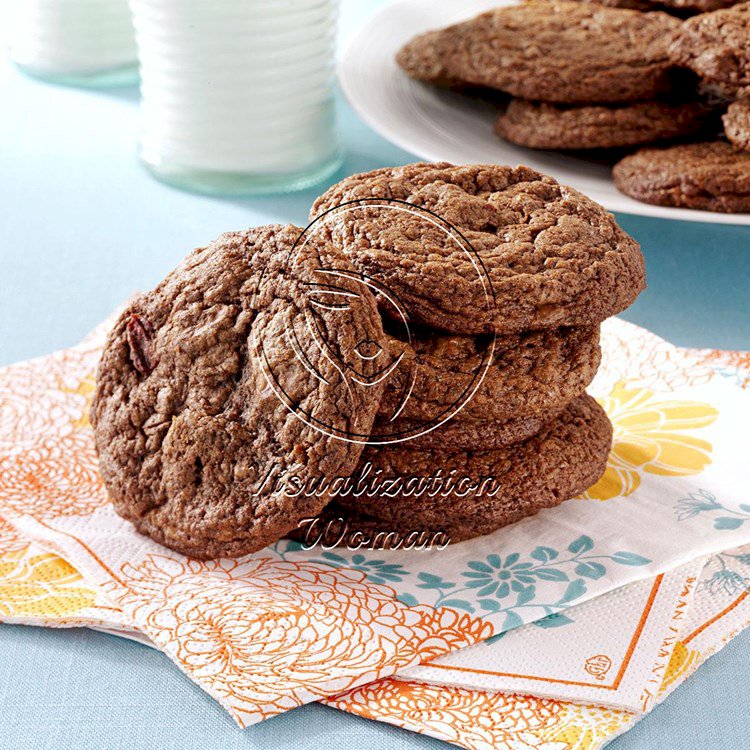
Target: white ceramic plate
{"points": [[442, 126]]}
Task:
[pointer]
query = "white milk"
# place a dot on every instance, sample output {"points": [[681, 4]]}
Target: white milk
{"points": [[74, 40], [237, 95]]}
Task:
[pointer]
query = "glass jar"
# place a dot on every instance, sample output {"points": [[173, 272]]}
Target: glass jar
{"points": [[75, 42], [237, 97]]}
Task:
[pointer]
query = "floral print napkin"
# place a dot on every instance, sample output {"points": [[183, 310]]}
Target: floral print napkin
{"points": [[273, 630], [483, 720], [611, 651], [711, 609]]}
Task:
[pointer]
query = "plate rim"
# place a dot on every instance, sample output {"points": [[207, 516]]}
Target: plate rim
{"points": [[349, 52]]}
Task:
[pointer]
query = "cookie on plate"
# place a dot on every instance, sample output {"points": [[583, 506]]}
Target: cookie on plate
{"points": [[713, 176], [550, 51], [737, 123], [425, 61], [202, 399], [679, 8], [587, 126], [641, 5], [488, 377], [485, 490], [696, 6], [716, 46], [533, 254]]}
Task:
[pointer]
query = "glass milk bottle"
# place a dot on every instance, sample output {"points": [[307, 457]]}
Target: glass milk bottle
{"points": [[76, 42], [237, 95]]}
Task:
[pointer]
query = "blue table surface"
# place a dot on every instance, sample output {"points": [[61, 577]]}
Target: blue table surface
{"points": [[81, 228]]}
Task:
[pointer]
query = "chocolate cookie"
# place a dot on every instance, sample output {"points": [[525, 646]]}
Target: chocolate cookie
{"points": [[696, 6], [560, 126], [475, 493], [737, 123], [550, 51], [425, 57], [240, 367], [482, 378], [456, 435], [540, 255], [716, 46], [642, 5], [709, 176]]}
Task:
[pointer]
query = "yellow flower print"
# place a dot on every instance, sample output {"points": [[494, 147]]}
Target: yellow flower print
{"points": [[650, 436], [41, 585], [85, 388], [681, 664], [583, 727]]}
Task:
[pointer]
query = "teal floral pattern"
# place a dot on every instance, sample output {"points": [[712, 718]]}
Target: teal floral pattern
{"points": [[729, 576], [507, 585], [376, 570], [511, 589], [703, 501]]}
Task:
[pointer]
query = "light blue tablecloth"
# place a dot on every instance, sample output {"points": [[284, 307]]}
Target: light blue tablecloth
{"points": [[81, 228]]}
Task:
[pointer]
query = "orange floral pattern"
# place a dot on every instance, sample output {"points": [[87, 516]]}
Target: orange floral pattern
{"points": [[56, 476], [261, 634], [44, 396], [265, 635], [474, 719], [466, 717], [739, 361], [633, 354], [726, 358], [10, 541]]}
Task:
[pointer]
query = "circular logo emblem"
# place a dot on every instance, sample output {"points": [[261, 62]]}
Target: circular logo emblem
{"points": [[598, 666], [410, 363]]}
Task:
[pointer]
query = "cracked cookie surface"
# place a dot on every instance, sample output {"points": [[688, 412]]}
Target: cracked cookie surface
{"points": [[737, 123], [716, 46], [550, 51], [541, 256], [190, 426], [455, 436], [551, 126], [713, 176], [496, 378]]}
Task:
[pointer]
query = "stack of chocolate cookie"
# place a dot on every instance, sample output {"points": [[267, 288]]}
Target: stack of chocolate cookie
{"points": [[503, 304], [712, 175], [589, 76], [418, 355], [582, 75]]}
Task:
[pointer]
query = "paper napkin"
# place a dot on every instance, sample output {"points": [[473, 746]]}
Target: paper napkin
{"points": [[270, 631], [479, 719], [733, 365], [482, 720], [38, 587], [612, 650]]}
